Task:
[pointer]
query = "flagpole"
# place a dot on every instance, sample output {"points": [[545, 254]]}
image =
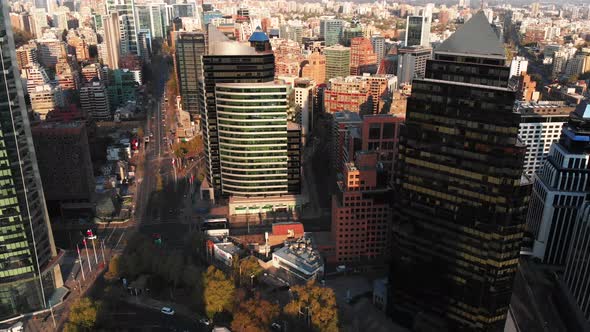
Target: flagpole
{"points": [[102, 250], [94, 250], [80, 260], [87, 255]]}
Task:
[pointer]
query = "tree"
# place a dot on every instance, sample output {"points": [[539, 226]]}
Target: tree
{"points": [[140, 132], [114, 269], [249, 266], [21, 37], [83, 315], [315, 305], [255, 315], [159, 183], [218, 291]]}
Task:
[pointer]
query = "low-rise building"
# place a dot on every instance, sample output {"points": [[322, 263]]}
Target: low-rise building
{"points": [[299, 259]]}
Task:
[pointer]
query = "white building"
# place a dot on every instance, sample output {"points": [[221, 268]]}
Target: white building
{"points": [[225, 252], [540, 127], [304, 92], [559, 190], [518, 65], [299, 259]]}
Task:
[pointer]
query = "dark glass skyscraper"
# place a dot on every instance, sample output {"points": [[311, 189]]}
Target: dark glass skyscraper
{"points": [[461, 199], [28, 271], [190, 48]]}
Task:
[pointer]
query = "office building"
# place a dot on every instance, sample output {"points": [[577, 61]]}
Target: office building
{"points": [[315, 68], [337, 61], [128, 28], [353, 31], [299, 260], [35, 75], [575, 276], [40, 22], [539, 128], [362, 58], [412, 63], [227, 61], [461, 198], [518, 66], [418, 31], [64, 182], [121, 85], [29, 271], [381, 88], [94, 101], [349, 93], [66, 76], [380, 133], [151, 17], [525, 87], [331, 30], [304, 93], [190, 48], [378, 43], [342, 123], [361, 214], [561, 187], [91, 73], [112, 42], [252, 150]]}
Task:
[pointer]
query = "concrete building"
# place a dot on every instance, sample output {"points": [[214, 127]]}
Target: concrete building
{"points": [[315, 68], [64, 182], [152, 16], [412, 63], [378, 43], [94, 101], [362, 58], [66, 76], [337, 61], [361, 213], [128, 28], [46, 98], [518, 65], [342, 122], [348, 94], [540, 127], [91, 72], [50, 51], [35, 75], [112, 42], [380, 133], [300, 260], [560, 189], [29, 265], [304, 95], [26, 55], [418, 31]]}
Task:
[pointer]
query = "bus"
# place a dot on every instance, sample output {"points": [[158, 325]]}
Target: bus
{"points": [[215, 227]]}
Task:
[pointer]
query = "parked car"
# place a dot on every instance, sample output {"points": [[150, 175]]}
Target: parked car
{"points": [[205, 321], [167, 311]]}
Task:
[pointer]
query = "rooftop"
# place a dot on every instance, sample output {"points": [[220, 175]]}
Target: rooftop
{"points": [[476, 37], [258, 36], [301, 254]]}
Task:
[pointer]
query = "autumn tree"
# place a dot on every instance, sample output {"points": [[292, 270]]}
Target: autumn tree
{"points": [[83, 315], [114, 269], [249, 267], [315, 305], [218, 291], [254, 315]]}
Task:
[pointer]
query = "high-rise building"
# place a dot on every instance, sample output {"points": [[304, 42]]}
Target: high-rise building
{"points": [[315, 68], [461, 198], [342, 123], [412, 63], [362, 57], [94, 101], [45, 98], [337, 61], [112, 42], [227, 61], [378, 43], [35, 75], [358, 237], [128, 28], [349, 93], [252, 149], [561, 187], [50, 50], [66, 76], [40, 21], [304, 94], [190, 48], [151, 16], [26, 55], [418, 31], [380, 133], [64, 182], [91, 72], [331, 30], [518, 65], [575, 276], [29, 272]]}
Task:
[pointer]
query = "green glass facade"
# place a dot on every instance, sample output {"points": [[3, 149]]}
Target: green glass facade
{"points": [[26, 242]]}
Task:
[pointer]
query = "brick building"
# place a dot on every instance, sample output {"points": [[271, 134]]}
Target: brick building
{"points": [[362, 57]]}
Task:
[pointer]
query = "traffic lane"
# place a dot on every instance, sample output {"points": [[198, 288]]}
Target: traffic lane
{"points": [[173, 234], [136, 318]]}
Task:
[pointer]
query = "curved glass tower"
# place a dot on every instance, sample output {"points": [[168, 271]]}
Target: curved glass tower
{"points": [[28, 269]]}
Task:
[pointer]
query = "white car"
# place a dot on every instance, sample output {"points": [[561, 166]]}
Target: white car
{"points": [[167, 311], [205, 321]]}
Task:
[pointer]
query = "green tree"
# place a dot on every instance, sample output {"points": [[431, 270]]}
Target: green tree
{"points": [[83, 315], [254, 315], [218, 291], [318, 305], [249, 266]]}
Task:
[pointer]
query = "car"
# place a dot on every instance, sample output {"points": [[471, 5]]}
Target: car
{"points": [[205, 321], [167, 311], [276, 326]]}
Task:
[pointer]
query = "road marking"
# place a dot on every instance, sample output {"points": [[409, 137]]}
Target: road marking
{"points": [[122, 234], [110, 235]]}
